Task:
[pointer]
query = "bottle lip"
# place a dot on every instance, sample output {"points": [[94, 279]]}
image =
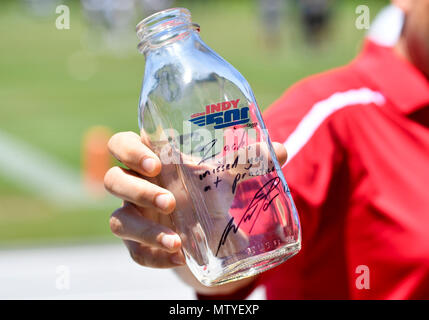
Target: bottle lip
{"points": [[164, 25]]}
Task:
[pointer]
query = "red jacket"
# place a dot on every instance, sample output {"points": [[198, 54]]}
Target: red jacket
{"points": [[358, 169]]}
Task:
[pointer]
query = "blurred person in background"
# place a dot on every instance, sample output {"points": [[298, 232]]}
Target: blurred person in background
{"points": [[108, 24], [111, 20], [109, 14], [271, 13], [315, 16], [358, 151]]}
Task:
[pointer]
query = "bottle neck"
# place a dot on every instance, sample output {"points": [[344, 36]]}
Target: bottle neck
{"points": [[163, 28]]}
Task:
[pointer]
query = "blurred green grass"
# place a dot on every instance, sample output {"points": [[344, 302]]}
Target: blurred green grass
{"points": [[44, 104]]}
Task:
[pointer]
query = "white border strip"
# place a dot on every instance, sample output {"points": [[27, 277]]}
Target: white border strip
{"points": [[322, 110]]}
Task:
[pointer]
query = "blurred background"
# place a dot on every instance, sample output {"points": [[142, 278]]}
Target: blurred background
{"points": [[63, 92]]}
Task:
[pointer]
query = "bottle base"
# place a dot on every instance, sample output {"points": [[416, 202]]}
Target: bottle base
{"points": [[253, 265]]}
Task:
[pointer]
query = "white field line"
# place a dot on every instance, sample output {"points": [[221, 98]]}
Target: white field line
{"points": [[43, 175]]}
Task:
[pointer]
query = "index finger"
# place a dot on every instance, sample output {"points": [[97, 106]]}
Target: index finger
{"points": [[128, 148]]}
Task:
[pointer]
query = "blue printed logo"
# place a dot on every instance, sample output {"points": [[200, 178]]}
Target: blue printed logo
{"points": [[222, 115]]}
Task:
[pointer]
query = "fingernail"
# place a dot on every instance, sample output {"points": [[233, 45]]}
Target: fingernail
{"points": [[163, 201], [149, 165], [177, 258], [169, 241]]}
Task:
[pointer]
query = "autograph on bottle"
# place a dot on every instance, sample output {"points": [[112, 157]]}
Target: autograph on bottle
{"points": [[261, 202]]}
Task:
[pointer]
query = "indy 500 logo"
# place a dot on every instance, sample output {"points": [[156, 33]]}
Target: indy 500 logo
{"points": [[222, 115]]}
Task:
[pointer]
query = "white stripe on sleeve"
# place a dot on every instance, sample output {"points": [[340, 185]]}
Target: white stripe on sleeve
{"points": [[322, 110]]}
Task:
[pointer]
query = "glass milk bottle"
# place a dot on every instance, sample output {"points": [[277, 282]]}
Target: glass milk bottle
{"points": [[234, 212]]}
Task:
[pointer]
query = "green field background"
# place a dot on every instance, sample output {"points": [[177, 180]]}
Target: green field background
{"points": [[44, 104]]}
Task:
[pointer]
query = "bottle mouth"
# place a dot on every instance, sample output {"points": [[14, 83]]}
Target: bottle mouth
{"points": [[164, 27]]}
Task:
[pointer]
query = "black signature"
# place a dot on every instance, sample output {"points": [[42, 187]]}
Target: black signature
{"points": [[206, 149], [260, 202]]}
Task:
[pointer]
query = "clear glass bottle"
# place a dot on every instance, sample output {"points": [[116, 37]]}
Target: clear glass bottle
{"points": [[234, 212]]}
